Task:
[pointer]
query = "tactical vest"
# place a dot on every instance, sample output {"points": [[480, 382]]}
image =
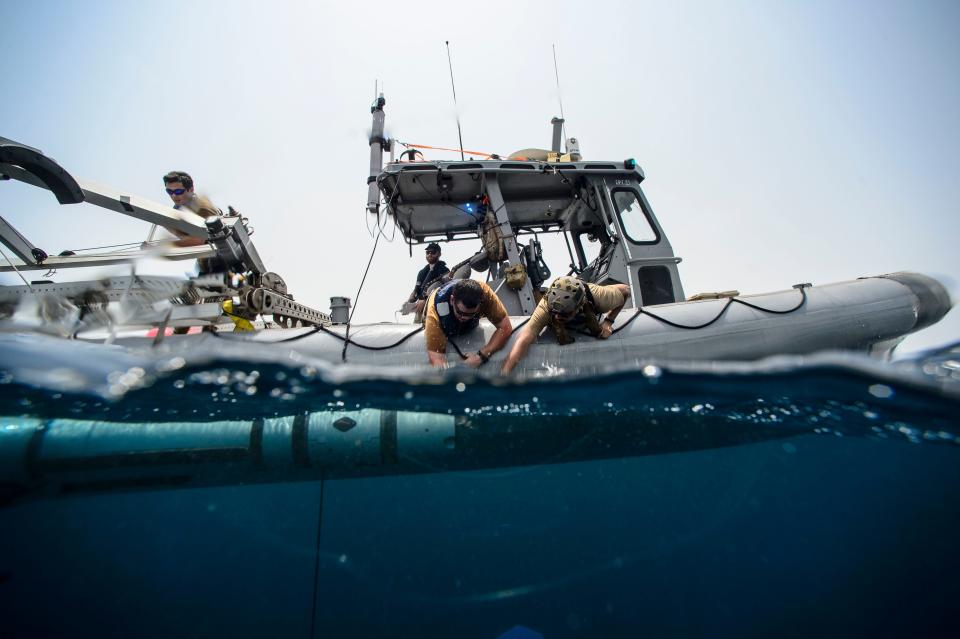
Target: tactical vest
{"points": [[586, 320], [443, 306]]}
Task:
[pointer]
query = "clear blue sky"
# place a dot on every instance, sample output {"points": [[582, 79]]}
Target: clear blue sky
{"points": [[782, 142]]}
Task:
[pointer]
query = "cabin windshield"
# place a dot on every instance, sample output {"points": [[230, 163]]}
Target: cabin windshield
{"points": [[636, 224]]}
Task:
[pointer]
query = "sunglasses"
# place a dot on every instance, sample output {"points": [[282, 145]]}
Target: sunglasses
{"points": [[176, 191], [465, 314]]}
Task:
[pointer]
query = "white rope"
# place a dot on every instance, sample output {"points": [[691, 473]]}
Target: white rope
{"points": [[14, 267]]}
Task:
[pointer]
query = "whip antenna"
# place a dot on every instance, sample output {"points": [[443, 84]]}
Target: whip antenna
{"points": [[454, 87], [556, 72]]}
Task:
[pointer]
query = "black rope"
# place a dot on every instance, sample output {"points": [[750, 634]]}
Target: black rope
{"points": [[356, 299], [316, 329], [316, 564], [627, 323], [347, 340], [730, 301], [803, 299], [456, 348], [323, 329]]}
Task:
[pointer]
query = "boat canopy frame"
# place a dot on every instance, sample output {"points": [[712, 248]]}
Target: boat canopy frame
{"points": [[444, 201], [600, 201]]}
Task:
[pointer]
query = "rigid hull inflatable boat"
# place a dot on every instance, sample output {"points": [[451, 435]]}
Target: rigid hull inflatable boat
{"points": [[611, 234], [868, 315]]}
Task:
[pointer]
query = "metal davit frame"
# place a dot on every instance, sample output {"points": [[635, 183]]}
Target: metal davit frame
{"points": [[227, 240]]}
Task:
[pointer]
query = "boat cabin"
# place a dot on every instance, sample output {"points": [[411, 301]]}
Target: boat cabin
{"points": [[507, 203]]}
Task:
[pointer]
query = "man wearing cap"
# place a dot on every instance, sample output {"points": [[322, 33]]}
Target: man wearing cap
{"points": [[434, 270], [570, 304], [455, 309]]}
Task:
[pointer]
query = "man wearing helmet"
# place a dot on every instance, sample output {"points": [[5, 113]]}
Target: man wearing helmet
{"points": [[455, 309], [570, 304]]}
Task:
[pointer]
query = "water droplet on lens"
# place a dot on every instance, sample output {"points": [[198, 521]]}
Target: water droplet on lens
{"points": [[880, 390]]}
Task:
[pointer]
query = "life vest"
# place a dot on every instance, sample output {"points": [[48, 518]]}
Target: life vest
{"points": [[448, 323], [587, 318], [436, 273]]}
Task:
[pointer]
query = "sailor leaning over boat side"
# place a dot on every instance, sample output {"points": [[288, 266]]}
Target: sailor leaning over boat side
{"points": [[455, 309], [570, 304]]}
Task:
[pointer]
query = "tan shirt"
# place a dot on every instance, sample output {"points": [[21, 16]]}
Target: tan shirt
{"points": [[490, 307], [606, 298], [202, 206]]}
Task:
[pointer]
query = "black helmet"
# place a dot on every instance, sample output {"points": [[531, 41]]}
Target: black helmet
{"points": [[433, 246]]}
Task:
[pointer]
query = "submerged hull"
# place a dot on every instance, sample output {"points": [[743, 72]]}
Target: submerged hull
{"points": [[866, 315]]}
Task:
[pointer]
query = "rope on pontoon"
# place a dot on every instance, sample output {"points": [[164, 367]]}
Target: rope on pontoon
{"points": [[730, 302]]}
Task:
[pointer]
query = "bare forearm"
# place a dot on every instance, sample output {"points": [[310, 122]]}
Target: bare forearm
{"points": [[499, 338], [625, 291], [189, 241], [518, 352]]}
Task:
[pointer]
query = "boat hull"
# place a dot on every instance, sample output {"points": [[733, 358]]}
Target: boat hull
{"points": [[867, 315]]}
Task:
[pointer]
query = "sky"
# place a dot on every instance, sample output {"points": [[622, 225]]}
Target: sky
{"points": [[782, 142]]}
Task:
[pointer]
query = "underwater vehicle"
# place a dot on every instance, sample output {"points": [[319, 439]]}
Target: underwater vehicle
{"points": [[61, 457]]}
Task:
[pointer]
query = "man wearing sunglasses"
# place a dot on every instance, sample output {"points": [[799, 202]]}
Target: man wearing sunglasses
{"points": [[455, 309], [179, 186], [433, 271], [570, 304]]}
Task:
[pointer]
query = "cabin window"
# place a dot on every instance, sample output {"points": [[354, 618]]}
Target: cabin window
{"points": [[636, 225], [587, 247], [655, 285]]}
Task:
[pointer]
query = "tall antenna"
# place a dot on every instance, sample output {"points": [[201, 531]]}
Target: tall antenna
{"points": [[556, 72], [454, 87]]}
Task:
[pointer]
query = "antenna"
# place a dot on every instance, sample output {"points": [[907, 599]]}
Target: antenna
{"points": [[454, 87], [556, 72]]}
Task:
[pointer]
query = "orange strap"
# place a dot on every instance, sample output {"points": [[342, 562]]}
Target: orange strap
{"points": [[440, 148]]}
